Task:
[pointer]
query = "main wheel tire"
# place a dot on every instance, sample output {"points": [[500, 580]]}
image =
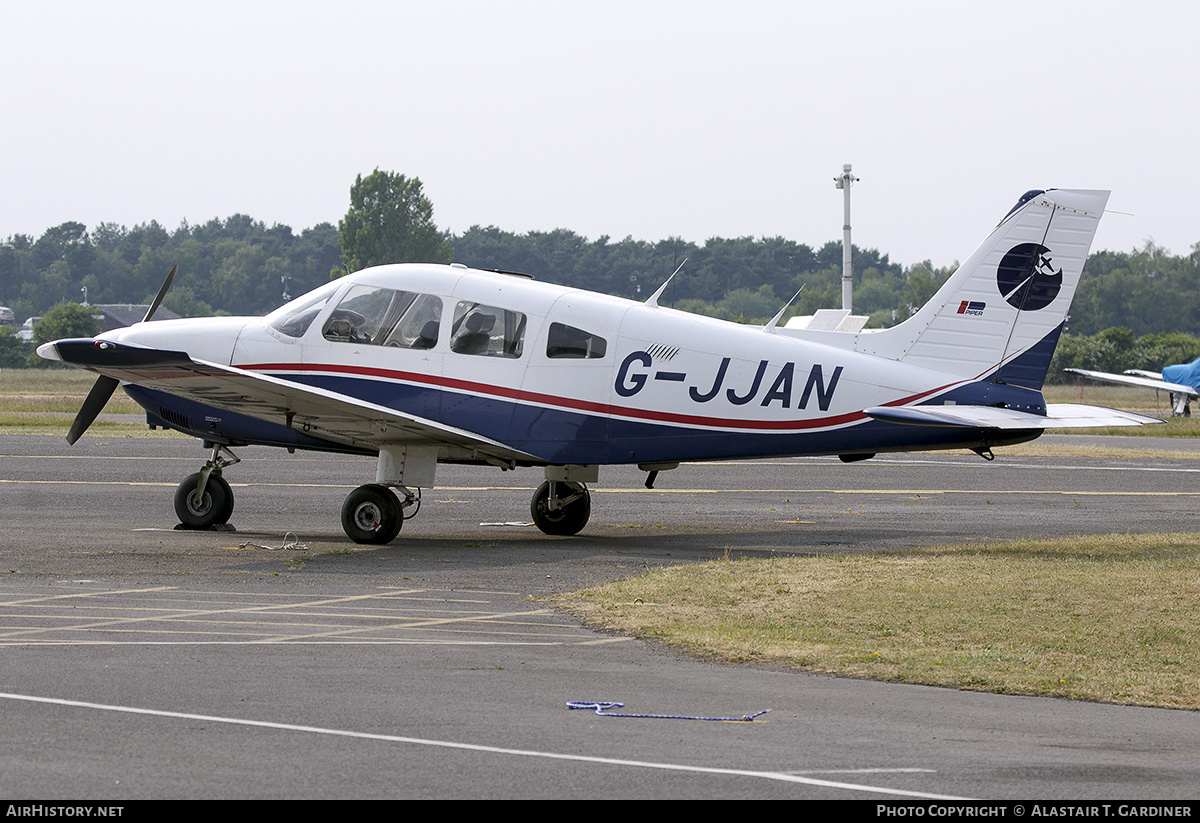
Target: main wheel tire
{"points": [[372, 514], [566, 521], [215, 506]]}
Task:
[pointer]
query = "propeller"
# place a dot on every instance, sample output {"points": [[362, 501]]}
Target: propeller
{"points": [[162, 292], [104, 386], [93, 404]]}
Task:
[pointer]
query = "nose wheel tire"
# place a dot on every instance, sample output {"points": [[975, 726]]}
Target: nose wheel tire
{"points": [[372, 514], [215, 506], [565, 512]]}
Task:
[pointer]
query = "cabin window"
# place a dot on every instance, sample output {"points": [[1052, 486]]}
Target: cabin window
{"points": [[569, 342], [487, 330], [378, 316], [417, 325]]}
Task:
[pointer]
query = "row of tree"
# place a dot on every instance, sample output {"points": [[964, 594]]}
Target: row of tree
{"points": [[236, 265], [239, 265], [1118, 349]]}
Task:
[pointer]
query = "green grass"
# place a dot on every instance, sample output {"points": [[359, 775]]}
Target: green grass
{"points": [[1108, 618], [45, 401]]}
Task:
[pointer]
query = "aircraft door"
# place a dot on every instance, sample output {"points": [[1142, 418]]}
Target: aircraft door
{"points": [[384, 346], [570, 366]]}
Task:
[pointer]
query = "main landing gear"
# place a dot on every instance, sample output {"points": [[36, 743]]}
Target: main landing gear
{"points": [[562, 505], [373, 514], [561, 508]]}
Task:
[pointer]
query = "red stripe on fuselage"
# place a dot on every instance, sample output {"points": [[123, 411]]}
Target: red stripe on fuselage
{"points": [[575, 404]]}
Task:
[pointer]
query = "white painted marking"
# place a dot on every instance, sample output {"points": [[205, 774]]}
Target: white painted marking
{"points": [[866, 771], [472, 747], [1008, 465]]}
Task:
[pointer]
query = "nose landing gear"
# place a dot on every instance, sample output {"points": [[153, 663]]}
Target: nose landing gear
{"points": [[204, 499]]}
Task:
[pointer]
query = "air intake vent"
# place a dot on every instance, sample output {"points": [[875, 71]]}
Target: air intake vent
{"points": [[174, 418]]}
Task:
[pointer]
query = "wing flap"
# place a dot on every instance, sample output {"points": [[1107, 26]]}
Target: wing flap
{"points": [[1058, 416], [322, 413]]}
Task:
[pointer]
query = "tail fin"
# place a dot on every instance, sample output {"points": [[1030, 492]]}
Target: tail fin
{"points": [[1000, 314]]}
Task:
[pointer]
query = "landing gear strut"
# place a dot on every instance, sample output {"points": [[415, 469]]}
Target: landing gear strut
{"points": [[561, 508], [372, 513], [204, 499]]}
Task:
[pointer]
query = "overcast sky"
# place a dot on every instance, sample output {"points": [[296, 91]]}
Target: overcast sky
{"points": [[650, 119]]}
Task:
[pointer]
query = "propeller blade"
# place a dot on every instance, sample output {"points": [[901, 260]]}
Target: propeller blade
{"points": [[102, 389], [158, 298]]}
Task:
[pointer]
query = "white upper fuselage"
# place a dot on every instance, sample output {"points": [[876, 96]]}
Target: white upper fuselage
{"points": [[647, 373]]}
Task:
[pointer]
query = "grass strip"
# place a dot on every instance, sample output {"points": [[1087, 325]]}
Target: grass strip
{"points": [[1106, 618]]}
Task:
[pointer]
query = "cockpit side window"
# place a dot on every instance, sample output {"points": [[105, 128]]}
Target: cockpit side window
{"points": [[487, 330], [571, 343], [378, 316]]}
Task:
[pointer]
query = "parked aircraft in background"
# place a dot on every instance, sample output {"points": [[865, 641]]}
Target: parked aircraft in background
{"points": [[1181, 382], [422, 364], [26, 330]]}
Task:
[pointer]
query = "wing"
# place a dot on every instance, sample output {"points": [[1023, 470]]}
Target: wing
{"points": [[1058, 416], [325, 414], [1140, 378]]}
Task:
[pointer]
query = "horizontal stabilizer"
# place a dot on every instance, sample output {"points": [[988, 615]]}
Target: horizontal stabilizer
{"points": [[1058, 416]]}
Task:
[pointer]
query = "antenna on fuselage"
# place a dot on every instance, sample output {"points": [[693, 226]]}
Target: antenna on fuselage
{"points": [[775, 320], [652, 300]]}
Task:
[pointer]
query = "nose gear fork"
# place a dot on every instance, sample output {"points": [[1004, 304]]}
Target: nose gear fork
{"points": [[214, 464]]}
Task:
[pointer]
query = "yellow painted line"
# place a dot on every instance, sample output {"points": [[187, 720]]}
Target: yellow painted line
{"points": [[897, 491], [189, 459], [50, 599], [283, 609], [270, 634], [406, 626], [190, 614], [640, 490], [90, 457]]}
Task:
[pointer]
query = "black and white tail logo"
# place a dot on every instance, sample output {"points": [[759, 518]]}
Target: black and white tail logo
{"points": [[1026, 277]]}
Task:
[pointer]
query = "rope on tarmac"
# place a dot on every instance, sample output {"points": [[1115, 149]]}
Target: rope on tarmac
{"points": [[292, 544], [602, 710]]}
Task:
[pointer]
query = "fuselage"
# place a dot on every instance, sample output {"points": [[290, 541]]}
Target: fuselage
{"points": [[564, 375]]}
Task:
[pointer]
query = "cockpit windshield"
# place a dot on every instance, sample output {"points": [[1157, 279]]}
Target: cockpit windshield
{"points": [[294, 318]]}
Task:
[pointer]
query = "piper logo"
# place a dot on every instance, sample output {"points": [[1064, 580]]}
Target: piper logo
{"points": [[974, 307]]}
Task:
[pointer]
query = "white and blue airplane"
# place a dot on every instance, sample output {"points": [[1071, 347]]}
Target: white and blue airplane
{"points": [[1181, 382], [427, 364]]}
